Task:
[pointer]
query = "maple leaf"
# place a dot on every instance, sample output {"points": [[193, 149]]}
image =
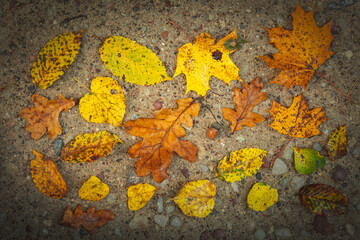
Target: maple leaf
{"points": [[302, 50], [44, 115], [297, 120], [202, 59], [161, 138], [245, 102], [90, 219]]}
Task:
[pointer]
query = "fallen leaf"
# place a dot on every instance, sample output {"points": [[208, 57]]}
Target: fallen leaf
{"points": [[241, 164], [55, 57], [44, 115], [136, 63], [139, 195], [195, 199], [245, 102], [202, 59], [261, 196], [323, 199], [89, 147], [307, 160], [46, 177], [105, 103], [90, 219], [161, 138], [302, 50], [336, 145], [297, 120], [93, 189]]}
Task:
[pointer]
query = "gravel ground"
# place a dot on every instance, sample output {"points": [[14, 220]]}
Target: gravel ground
{"points": [[25, 213]]}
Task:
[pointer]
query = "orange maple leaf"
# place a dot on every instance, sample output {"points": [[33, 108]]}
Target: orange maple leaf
{"points": [[245, 102], [302, 50], [44, 115], [161, 138]]}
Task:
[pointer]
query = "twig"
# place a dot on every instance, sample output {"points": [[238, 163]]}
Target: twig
{"points": [[98, 38], [352, 88], [6, 86], [82, 84], [272, 162], [169, 20]]}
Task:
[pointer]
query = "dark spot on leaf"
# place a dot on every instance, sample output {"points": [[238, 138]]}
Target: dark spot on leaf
{"points": [[217, 55]]}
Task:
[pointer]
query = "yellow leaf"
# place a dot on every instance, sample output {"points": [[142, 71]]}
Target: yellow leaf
{"points": [[139, 195], [138, 64], [46, 177], [196, 198], [242, 163], [55, 57], [261, 196], [89, 147], [202, 59], [93, 189], [105, 103], [336, 145]]}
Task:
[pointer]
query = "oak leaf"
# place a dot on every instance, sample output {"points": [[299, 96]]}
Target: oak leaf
{"points": [[302, 50], [261, 196], [161, 138], [336, 145], [245, 102], [90, 219], [203, 58], [45, 115], [139, 195], [297, 120], [93, 189]]}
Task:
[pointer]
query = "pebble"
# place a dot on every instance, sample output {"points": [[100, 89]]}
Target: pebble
{"points": [[170, 209], [284, 182], [283, 232], [222, 23], [211, 16], [248, 10], [350, 229], [355, 151], [45, 231], [339, 173], [176, 222], [32, 58], [133, 178], [3, 217], [164, 34], [47, 222], [251, 226], [138, 221], [235, 187], [164, 183], [134, 117], [349, 54], [240, 138], [288, 152], [279, 167], [203, 168], [111, 198], [258, 176], [160, 205], [58, 144], [304, 233], [358, 206], [117, 231], [259, 234], [161, 220], [76, 235], [317, 147], [297, 182], [229, 226]]}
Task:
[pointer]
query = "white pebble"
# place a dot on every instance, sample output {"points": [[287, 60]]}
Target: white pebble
{"points": [[176, 222], [235, 187], [259, 234]]}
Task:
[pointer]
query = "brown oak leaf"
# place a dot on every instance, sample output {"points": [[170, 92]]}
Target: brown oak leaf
{"points": [[44, 115], [245, 102], [90, 219], [161, 138]]}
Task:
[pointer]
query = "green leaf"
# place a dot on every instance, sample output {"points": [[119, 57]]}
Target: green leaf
{"points": [[307, 160], [234, 44]]}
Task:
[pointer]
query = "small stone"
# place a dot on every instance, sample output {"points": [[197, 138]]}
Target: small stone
{"points": [[358, 206], [271, 230], [160, 205], [3, 218], [229, 226], [284, 182], [283, 232], [134, 117], [259, 234], [176, 222], [218, 234], [240, 138], [288, 152], [304, 233], [47, 222], [170, 209], [297, 182], [211, 16], [58, 144], [349, 54], [222, 23], [164, 183], [133, 178], [161, 220], [111, 198], [251, 226], [32, 58], [235, 187], [248, 10], [203, 168], [339, 173], [346, 3], [317, 147], [45, 231], [258, 176], [279, 167], [164, 34], [322, 225], [157, 105], [350, 229], [205, 235], [355, 151], [333, 6], [138, 221], [76, 235], [117, 231], [143, 29]]}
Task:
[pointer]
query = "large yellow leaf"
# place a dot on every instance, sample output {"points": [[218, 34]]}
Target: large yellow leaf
{"points": [[336, 145], [242, 163], [46, 177], [139, 195], [261, 196], [105, 103], [55, 57], [93, 189], [138, 64], [89, 147], [196, 198], [203, 58]]}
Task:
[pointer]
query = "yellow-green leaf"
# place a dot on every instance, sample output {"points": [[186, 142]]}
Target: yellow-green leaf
{"points": [[93, 189], [105, 103], [196, 198], [336, 145], [308, 160], [55, 57], [139, 195], [89, 147], [261, 196], [136, 63], [241, 164]]}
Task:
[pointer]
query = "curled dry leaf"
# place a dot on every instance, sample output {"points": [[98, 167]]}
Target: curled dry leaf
{"points": [[261, 196], [336, 145], [93, 189], [139, 195]]}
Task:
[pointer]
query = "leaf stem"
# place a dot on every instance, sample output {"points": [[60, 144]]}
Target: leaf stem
{"points": [[170, 21], [272, 162], [82, 84]]}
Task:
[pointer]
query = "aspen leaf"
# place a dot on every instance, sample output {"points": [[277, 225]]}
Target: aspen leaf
{"points": [[89, 147], [93, 189], [202, 59], [139, 195], [336, 145], [55, 57], [195, 199], [105, 103], [241, 164], [261, 196], [46, 177], [308, 160], [136, 63]]}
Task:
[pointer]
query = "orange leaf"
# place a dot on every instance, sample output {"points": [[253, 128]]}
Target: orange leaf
{"points": [[44, 115], [297, 120], [46, 177], [302, 50], [245, 102], [90, 219], [161, 138]]}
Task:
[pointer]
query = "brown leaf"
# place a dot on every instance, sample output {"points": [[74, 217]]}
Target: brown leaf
{"points": [[44, 115], [90, 219], [161, 138], [245, 102]]}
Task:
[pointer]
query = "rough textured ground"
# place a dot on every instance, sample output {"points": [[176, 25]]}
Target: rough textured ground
{"points": [[25, 26]]}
